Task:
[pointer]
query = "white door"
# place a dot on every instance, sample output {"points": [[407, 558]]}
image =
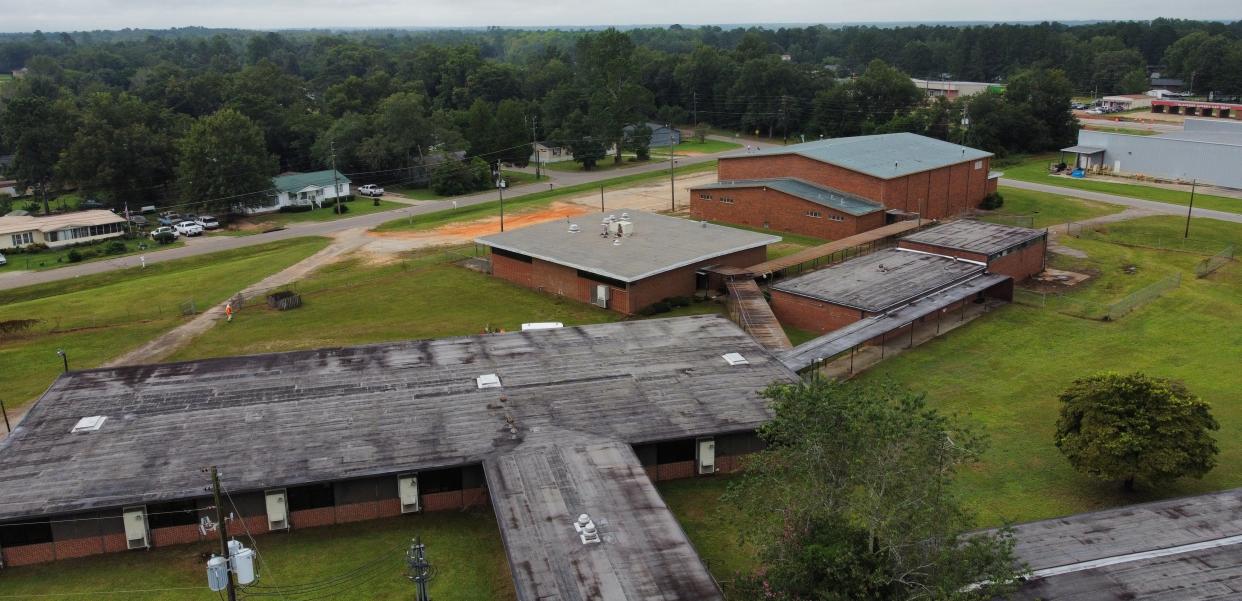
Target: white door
{"points": [[277, 509], [707, 455], [136, 534]]}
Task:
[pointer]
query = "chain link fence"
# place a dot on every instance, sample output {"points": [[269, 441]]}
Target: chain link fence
{"points": [[1156, 242], [1066, 303], [1209, 265], [1142, 296], [1026, 221]]}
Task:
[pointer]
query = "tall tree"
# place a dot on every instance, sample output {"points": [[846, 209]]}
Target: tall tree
{"points": [[853, 499], [224, 163], [512, 134], [1135, 427], [37, 128]]}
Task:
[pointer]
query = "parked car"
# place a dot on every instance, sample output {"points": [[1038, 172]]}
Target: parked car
{"points": [[139, 220], [3, 261], [371, 190], [160, 231], [207, 222], [147, 209], [188, 228], [90, 203], [169, 219]]}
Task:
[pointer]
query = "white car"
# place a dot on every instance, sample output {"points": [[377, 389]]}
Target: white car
{"points": [[371, 190], [188, 228], [207, 222], [155, 233], [3, 261]]}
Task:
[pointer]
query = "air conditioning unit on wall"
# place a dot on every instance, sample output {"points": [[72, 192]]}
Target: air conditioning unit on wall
{"points": [[137, 536], [407, 489], [602, 294], [277, 509]]}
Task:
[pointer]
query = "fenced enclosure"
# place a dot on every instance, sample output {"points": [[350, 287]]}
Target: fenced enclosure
{"points": [[1209, 265], [1142, 296], [1156, 242], [1026, 221], [1066, 303]]}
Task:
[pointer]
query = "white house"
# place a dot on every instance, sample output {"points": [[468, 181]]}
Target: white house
{"points": [[304, 189], [18, 231]]}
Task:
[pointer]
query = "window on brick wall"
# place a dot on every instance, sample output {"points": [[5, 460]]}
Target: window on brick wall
{"points": [[172, 513], [978, 164], [675, 451], [836, 218], [434, 481], [704, 196], [726, 200], [814, 214], [310, 497]]}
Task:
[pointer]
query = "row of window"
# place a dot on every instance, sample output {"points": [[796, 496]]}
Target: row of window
{"points": [[22, 239], [724, 199], [84, 232], [819, 215]]}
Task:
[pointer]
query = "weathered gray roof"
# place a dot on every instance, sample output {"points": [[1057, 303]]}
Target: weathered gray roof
{"points": [[1080, 149], [881, 280], [1184, 549], [293, 418], [545, 483], [656, 244], [885, 156], [975, 236], [1207, 137], [821, 195], [838, 341]]}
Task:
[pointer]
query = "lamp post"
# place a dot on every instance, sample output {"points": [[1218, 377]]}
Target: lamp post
{"points": [[1191, 209], [64, 358]]}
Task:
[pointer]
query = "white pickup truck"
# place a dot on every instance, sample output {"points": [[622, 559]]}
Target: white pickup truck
{"points": [[371, 190]]}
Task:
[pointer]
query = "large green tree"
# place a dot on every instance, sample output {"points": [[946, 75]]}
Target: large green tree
{"points": [[1135, 427], [224, 163], [853, 499], [37, 127]]}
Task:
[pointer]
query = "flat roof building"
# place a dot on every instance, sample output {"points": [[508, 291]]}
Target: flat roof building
{"points": [[787, 204], [1017, 252], [1207, 151], [548, 424], [18, 231], [902, 172], [624, 264], [875, 284]]}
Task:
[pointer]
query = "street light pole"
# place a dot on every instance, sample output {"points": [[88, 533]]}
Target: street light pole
{"points": [[63, 357], [501, 189], [672, 186], [1192, 207]]}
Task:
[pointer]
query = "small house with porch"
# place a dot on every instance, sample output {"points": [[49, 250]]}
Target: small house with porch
{"points": [[305, 190]]}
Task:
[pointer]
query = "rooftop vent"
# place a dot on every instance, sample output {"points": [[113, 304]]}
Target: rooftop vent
{"points": [[735, 359], [586, 529], [90, 424], [488, 381], [573, 228], [625, 216]]}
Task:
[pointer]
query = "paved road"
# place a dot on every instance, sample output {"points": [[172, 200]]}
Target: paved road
{"points": [[1157, 127], [210, 244], [1162, 208]]}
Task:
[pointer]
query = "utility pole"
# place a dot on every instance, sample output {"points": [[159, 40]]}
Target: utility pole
{"points": [[420, 568], [785, 119], [534, 142], [694, 104], [336, 187], [7, 427], [223, 530], [601, 199], [672, 185], [500, 188], [1192, 207]]}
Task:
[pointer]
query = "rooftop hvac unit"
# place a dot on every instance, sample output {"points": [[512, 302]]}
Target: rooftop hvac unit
{"points": [[277, 509], [621, 228], [602, 294], [707, 455], [137, 536], [407, 489]]}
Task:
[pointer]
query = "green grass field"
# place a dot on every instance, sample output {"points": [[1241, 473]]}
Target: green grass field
{"points": [[516, 178], [98, 317], [1004, 371], [359, 206], [1035, 169], [52, 259], [488, 209], [463, 547], [1046, 209], [712, 526], [1122, 130], [605, 164], [790, 243], [690, 147]]}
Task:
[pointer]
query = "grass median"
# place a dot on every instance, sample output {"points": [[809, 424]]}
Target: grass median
{"points": [[1045, 209], [490, 208], [97, 317]]}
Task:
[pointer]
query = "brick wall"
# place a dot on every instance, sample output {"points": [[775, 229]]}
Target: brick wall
{"points": [[763, 207], [80, 547], [309, 518], [26, 555], [1019, 265], [810, 314], [511, 270], [681, 282], [175, 535], [936, 193], [455, 499], [675, 471]]}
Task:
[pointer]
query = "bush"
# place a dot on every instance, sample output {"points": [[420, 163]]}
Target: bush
{"points": [[344, 208], [164, 237], [116, 247], [992, 201], [679, 301], [295, 209], [74, 256]]}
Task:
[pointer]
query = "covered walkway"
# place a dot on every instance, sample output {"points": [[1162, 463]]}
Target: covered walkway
{"points": [[749, 309], [839, 250]]}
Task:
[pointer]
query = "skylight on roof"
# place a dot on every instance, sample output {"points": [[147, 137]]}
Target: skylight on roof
{"points": [[735, 359], [89, 424], [488, 381]]}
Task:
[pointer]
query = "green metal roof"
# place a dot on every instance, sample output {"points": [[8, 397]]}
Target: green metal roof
{"points": [[821, 195], [885, 156], [294, 182]]}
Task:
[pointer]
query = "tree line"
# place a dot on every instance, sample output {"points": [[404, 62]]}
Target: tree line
{"points": [[142, 116]]}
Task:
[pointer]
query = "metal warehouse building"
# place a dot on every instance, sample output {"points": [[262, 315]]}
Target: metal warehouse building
{"points": [[906, 174], [1208, 151], [546, 424], [627, 262]]}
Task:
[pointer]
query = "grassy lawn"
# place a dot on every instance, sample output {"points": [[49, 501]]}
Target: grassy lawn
{"points": [[790, 243], [605, 164], [487, 209], [1122, 130], [691, 146], [360, 206], [51, 259], [712, 526], [798, 336], [1004, 372], [426, 296], [516, 178], [1047, 209], [98, 317], [1035, 169], [463, 547]]}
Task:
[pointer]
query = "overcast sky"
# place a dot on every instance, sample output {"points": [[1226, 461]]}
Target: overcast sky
{"points": [[62, 15]]}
